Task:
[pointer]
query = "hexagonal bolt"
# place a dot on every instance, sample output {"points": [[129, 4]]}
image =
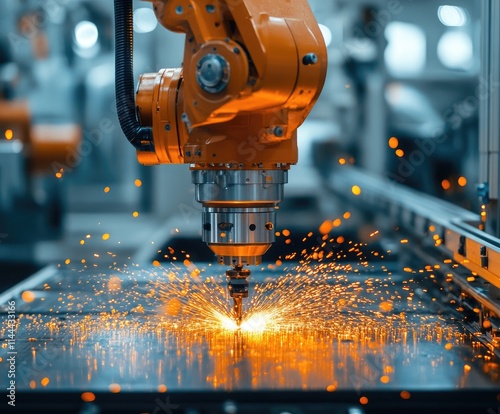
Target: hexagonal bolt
{"points": [[310, 59]]}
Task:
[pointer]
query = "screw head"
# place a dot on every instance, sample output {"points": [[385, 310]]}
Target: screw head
{"points": [[310, 59], [212, 73], [278, 131]]}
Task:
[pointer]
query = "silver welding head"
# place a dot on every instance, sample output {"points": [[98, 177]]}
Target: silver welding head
{"points": [[239, 212]]}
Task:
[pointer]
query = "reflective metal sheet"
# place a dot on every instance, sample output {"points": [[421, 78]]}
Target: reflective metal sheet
{"points": [[321, 328]]}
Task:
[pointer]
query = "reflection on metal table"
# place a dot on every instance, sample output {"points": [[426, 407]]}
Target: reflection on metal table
{"points": [[315, 332]]}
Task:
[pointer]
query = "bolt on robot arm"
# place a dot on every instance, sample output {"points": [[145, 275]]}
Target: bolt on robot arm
{"points": [[252, 71]]}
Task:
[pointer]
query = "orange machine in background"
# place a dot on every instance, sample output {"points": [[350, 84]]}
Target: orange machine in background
{"points": [[44, 145], [31, 206]]}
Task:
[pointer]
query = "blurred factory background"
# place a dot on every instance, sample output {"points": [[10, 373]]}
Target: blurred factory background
{"points": [[400, 69], [57, 67]]}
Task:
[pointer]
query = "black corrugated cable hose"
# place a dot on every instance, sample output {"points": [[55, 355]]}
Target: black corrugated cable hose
{"points": [[140, 137]]}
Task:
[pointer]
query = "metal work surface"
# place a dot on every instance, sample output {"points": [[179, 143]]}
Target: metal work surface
{"points": [[324, 327]]}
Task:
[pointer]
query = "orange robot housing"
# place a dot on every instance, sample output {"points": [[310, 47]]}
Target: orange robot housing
{"points": [[252, 72]]}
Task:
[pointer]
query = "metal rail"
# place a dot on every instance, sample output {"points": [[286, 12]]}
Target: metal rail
{"points": [[449, 228], [30, 283], [489, 125]]}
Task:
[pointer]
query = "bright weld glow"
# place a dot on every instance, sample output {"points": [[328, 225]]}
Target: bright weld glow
{"points": [[327, 34], [452, 16], [256, 323], [86, 34], [227, 323], [290, 302]]}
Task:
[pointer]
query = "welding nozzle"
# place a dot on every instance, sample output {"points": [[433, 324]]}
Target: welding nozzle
{"points": [[238, 309], [237, 284]]}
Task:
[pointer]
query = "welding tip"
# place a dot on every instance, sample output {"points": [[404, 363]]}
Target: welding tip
{"points": [[237, 284], [238, 310]]}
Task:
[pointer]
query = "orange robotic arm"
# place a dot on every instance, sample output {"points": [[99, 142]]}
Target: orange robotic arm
{"points": [[252, 71]]}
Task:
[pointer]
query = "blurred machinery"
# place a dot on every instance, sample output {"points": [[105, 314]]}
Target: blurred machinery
{"points": [[380, 289], [434, 151], [29, 152], [489, 129], [34, 147], [58, 131]]}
